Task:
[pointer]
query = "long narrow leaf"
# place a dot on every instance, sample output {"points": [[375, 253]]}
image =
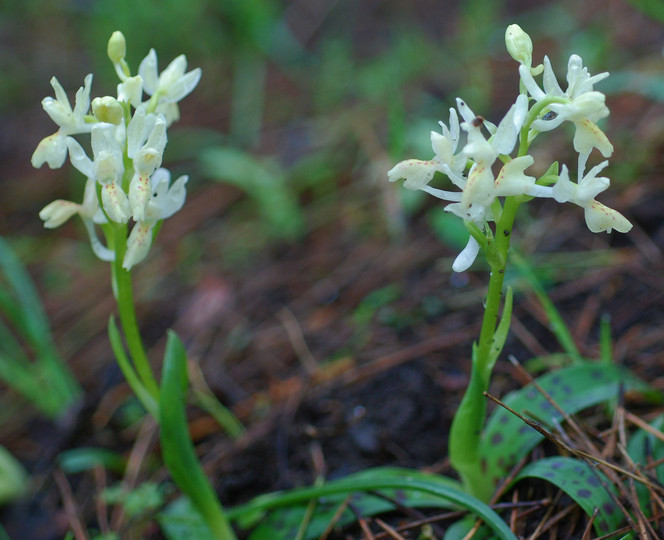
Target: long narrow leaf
{"points": [[13, 477], [30, 385], [556, 322], [645, 447], [33, 315], [129, 372], [500, 335], [354, 484], [286, 522], [177, 448], [22, 307]]}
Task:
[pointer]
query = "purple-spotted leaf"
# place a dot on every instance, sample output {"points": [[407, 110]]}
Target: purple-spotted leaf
{"points": [[506, 438], [586, 485]]}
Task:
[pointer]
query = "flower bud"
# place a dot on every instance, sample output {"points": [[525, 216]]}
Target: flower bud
{"points": [[519, 44], [107, 109], [117, 47], [57, 212]]}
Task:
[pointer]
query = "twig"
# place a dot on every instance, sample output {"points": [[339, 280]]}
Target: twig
{"points": [[544, 526], [144, 441], [389, 530], [638, 422], [335, 518], [100, 503], [572, 423], [585, 456], [296, 338], [71, 509], [589, 526]]}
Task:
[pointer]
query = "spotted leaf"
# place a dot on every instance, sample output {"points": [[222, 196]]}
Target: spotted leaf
{"points": [[585, 484], [507, 438]]}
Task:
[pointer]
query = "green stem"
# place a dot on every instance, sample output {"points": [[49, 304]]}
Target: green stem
{"points": [[469, 419], [122, 288], [532, 115], [468, 422]]}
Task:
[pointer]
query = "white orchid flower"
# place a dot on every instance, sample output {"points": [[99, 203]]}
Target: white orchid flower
{"points": [[467, 257], [130, 90], [166, 199], [107, 169], [53, 149], [146, 141], [583, 106], [58, 212], [598, 216], [173, 83], [480, 189], [418, 173]]}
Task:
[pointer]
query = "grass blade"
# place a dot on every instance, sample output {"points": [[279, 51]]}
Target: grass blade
{"points": [[403, 480], [557, 324]]}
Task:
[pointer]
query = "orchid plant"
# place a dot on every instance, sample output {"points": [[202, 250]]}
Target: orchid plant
{"points": [[124, 178], [488, 201], [126, 185]]}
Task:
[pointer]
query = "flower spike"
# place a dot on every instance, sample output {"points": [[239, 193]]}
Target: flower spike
{"points": [[128, 137]]}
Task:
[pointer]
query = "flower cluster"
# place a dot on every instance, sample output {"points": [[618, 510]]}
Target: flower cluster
{"points": [[125, 180], [470, 167]]}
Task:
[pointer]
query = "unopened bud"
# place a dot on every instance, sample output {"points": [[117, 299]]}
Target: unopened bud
{"points": [[117, 47], [107, 109], [519, 44]]}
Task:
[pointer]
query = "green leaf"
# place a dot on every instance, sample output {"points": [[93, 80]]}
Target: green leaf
{"points": [[500, 335], [181, 520], [506, 439], [78, 460], [652, 8], [128, 370], [13, 477], [551, 175], [207, 401], [373, 301], [459, 530], [144, 498], [403, 484], [177, 447], [49, 384], [586, 485], [643, 447], [286, 521], [29, 315]]}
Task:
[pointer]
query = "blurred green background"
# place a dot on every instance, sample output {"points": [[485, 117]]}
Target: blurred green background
{"points": [[303, 107]]}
